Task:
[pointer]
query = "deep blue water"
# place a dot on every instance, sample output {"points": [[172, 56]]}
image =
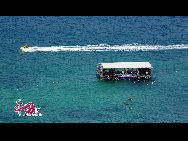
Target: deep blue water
{"points": [[63, 82]]}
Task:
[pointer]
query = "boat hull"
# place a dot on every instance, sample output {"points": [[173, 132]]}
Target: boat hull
{"points": [[120, 77]]}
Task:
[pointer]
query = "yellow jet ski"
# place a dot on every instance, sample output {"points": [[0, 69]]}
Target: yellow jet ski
{"points": [[24, 48]]}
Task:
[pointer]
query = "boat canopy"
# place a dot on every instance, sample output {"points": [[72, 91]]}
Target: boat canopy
{"points": [[126, 65]]}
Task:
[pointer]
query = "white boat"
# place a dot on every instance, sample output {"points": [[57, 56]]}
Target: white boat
{"points": [[124, 70]]}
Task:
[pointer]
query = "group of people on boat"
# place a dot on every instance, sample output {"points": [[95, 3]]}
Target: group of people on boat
{"points": [[113, 71], [124, 71]]}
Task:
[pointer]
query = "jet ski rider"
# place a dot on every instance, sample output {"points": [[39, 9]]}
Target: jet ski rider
{"points": [[26, 46]]}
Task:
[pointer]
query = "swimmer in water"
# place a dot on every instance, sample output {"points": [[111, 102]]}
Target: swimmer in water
{"points": [[130, 99], [153, 82]]}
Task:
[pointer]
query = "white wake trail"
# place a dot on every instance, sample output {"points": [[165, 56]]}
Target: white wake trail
{"points": [[105, 47]]}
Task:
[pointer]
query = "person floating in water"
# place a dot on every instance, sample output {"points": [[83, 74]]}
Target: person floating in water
{"points": [[26, 46], [153, 82], [126, 103], [130, 99]]}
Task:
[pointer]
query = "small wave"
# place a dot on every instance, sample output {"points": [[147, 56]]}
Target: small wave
{"points": [[106, 47]]}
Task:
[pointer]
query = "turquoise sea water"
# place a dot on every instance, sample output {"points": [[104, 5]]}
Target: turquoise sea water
{"points": [[58, 73]]}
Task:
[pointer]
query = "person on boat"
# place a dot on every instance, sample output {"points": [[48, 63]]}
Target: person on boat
{"points": [[138, 72], [98, 70], [26, 46]]}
